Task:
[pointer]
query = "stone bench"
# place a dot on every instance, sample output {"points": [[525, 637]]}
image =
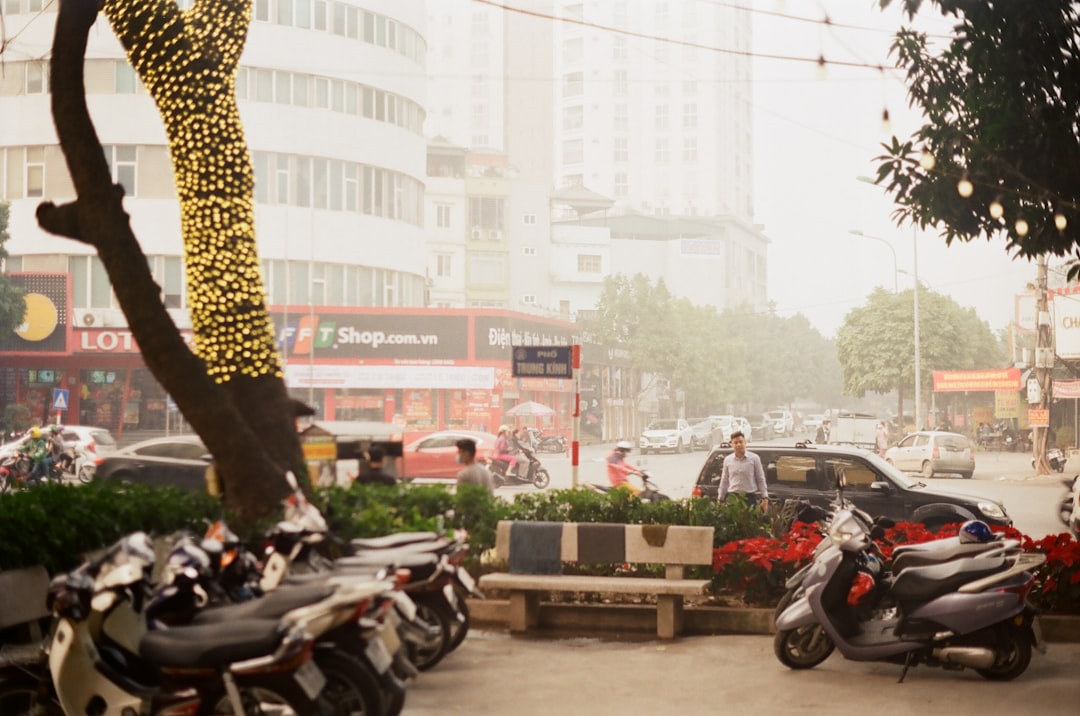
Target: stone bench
{"points": [[536, 551], [23, 605]]}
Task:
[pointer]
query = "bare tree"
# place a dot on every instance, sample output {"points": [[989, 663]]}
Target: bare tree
{"points": [[231, 389]]}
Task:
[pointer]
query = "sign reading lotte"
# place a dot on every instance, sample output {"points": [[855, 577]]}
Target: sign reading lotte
{"points": [[955, 381]]}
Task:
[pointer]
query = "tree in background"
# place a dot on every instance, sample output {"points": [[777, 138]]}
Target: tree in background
{"points": [[876, 343], [231, 390], [999, 152], [12, 305]]}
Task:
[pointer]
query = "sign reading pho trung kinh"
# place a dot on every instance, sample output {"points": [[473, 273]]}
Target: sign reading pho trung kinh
{"points": [[955, 381]]}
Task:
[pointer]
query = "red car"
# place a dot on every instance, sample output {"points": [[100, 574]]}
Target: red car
{"points": [[435, 455]]}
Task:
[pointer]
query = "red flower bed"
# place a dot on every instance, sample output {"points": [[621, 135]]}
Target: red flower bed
{"points": [[758, 568]]}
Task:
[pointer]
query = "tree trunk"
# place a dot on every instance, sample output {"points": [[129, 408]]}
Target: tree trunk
{"points": [[233, 393]]}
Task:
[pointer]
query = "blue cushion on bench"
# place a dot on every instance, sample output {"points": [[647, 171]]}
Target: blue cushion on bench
{"points": [[536, 548]]}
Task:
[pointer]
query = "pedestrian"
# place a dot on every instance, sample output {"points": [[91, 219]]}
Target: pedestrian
{"points": [[473, 473], [743, 474], [374, 474], [822, 435], [882, 439]]}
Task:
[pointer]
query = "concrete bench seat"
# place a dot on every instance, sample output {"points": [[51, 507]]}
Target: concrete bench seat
{"points": [[535, 564]]}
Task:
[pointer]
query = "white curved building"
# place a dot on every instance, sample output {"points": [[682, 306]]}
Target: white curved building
{"points": [[332, 95]]}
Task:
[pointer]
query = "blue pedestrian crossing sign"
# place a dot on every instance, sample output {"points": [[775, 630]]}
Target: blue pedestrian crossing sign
{"points": [[59, 399]]}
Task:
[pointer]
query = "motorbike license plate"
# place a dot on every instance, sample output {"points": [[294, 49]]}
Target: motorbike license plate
{"points": [[378, 654], [310, 678]]}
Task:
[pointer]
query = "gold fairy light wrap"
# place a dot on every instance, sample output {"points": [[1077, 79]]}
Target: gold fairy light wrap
{"points": [[187, 60]]}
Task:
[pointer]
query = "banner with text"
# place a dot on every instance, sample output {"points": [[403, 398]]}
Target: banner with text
{"points": [[955, 381]]}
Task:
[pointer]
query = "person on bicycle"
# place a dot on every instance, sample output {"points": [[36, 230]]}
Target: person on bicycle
{"points": [[618, 469]]}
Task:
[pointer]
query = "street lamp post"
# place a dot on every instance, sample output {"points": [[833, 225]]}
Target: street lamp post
{"points": [[895, 285]]}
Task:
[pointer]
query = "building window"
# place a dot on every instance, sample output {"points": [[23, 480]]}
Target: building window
{"points": [[35, 171], [122, 164], [528, 299], [573, 117], [621, 84], [588, 263], [622, 185], [486, 213], [622, 118], [618, 49], [37, 78], [529, 251], [689, 149], [689, 117], [662, 117], [573, 84], [662, 153], [573, 50], [622, 150], [443, 264], [528, 219], [442, 216], [487, 268], [573, 151]]}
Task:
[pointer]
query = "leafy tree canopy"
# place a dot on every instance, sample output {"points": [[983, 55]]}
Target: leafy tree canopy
{"points": [[12, 305], [1001, 102]]}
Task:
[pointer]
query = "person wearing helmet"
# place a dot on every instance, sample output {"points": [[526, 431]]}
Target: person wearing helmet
{"points": [[975, 531], [37, 449], [502, 450], [618, 469]]}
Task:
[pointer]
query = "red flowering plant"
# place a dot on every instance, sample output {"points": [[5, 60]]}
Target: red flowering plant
{"points": [[1057, 581], [757, 568]]}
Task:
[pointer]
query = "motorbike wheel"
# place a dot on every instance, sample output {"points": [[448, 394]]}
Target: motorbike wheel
{"points": [[458, 629], [395, 704], [279, 697], [802, 648], [1065, 510], [19, 697], [541, 479], [1013, 656], [428, 656], [86, 474], [350, 686]]}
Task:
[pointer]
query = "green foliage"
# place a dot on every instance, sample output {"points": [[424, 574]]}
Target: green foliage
{"points": [[876, 343], [16, 417], [1000, 102], [54, 525], [12, 305]]}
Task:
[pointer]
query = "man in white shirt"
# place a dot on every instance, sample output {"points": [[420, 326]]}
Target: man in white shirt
{"points": [[743, 474]]}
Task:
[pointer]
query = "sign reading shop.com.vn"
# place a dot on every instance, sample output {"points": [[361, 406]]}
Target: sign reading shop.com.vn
{"points": [[384, 337]]}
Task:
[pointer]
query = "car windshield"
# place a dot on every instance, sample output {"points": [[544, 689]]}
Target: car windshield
{"points": [[664, 425], [724, 420], [705, 424], [776, 414]]}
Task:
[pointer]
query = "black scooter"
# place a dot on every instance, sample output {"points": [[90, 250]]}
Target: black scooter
{"points": [[529, 471]]}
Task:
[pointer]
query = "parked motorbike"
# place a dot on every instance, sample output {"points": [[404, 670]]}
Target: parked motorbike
{"points": [[16, 472], [547, 443], [969, 612], [1069, 507], [529, 471], [649, 490], [1055, 457]]}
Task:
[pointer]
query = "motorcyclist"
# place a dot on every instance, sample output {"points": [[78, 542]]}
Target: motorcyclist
{"points": [[57, 446], [618, 469], [37, 448], [504, 451]]}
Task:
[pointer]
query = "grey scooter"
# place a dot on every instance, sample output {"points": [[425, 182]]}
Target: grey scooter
{"points": [[941, 615]]}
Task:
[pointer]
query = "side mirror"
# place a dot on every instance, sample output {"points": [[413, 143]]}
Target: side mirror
{"points": [[881, 485], [291, 479]]}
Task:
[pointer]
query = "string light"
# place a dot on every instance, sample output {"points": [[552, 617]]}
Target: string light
{"points": [[996, 209], [1060, 221], [196, 96], [927, 160], [964, 187], [1021, 227], [886, 125]]}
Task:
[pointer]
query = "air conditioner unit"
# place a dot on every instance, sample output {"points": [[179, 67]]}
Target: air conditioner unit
{"points": [[477, 232], [90, 318], [494, 234]]}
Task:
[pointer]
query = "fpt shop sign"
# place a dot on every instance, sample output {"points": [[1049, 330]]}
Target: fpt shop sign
{"points": [[496, 335], [389, 337]]}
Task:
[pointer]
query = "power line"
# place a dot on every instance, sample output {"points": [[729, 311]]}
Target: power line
{"points": [[820, 61]]}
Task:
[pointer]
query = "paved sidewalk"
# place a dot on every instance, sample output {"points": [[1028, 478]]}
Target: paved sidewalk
{"points": [[494, 673]]}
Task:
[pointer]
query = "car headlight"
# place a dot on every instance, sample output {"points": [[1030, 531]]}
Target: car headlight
{"points": [[991, 509]]}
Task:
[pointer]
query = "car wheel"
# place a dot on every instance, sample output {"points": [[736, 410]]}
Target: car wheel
{"points": [[678, 447], [966, 475], [927, 469]]}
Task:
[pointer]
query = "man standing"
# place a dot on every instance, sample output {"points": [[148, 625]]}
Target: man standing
{"points": [[473, 473], [882, 438], [822, 435], [743, 474], [374, 473]]}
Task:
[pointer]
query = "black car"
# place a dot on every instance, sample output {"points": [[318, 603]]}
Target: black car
{"points": [[805, 471], [180, 461]]}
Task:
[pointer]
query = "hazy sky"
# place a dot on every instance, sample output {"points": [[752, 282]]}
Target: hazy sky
{"points": [[813, 137]]}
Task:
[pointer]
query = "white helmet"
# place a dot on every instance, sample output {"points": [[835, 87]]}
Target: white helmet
{"points": [[624, 445]]}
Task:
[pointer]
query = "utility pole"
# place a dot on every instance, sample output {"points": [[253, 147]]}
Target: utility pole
{"points": [[1044, 364]]}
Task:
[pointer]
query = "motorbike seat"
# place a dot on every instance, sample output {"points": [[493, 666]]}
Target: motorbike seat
{"points": [[272, 606], [917, 584], [937, 552], [393, 541], [211, 645], [421, 564], [436, 546]]}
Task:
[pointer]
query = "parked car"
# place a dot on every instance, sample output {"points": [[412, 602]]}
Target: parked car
{"points": [[741, 423], [764, 428], [806, 471], [812, 422], [726, 423], [97, 440], [435, 455], [706, 434], [783, 422], [179, 461], [932, 452], [672, 434]]}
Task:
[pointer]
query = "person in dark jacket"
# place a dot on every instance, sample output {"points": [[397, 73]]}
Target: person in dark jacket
{"points": [[374, 473]]}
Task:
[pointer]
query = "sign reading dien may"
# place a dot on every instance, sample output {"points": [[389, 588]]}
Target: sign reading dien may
{"points": [[543, 362]]}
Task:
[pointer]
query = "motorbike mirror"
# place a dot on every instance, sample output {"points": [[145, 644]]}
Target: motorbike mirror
{"points": [[877, 532], [884, 522], [291, 479]]}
